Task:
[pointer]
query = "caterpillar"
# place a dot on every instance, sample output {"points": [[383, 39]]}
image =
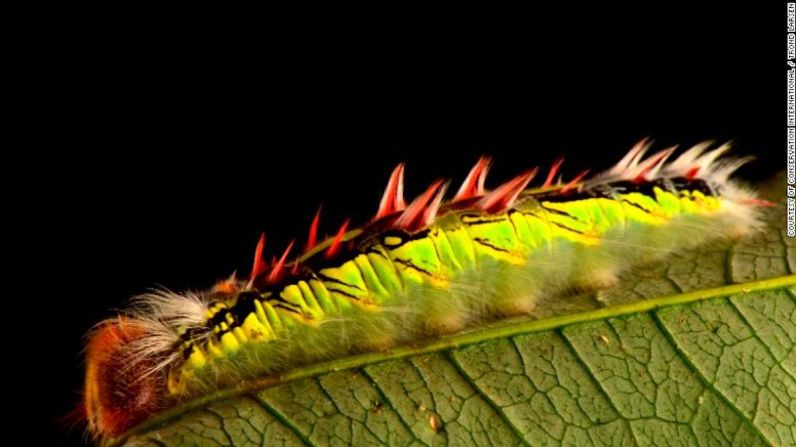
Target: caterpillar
{"points": [[416, 270]]}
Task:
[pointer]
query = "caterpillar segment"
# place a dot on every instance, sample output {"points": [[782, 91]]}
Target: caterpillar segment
{"points": [[416, 270]]}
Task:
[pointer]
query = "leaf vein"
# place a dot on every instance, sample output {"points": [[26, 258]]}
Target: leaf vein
{"points": [[495, 407], [599, 385], [283, 419], [698, 373]]}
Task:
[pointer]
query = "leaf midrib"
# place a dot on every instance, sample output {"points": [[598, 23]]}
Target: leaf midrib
{"points": [[496, 331]]}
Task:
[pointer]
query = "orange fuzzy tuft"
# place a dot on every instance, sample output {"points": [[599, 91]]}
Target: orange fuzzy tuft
{"points": [[117, 393]]}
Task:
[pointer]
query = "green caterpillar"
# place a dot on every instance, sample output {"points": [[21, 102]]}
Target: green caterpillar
{"points": [[413, 272]]}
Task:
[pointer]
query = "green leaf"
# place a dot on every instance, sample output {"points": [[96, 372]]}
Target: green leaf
{"points": [[699, 349]]}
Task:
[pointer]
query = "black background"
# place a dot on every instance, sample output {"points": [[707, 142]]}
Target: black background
{"points": [[159, 153]]}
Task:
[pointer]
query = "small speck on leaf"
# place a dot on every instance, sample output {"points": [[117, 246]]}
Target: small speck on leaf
{"points": [[434, 423]]}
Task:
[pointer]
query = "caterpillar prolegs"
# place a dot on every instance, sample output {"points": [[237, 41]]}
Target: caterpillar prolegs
{"points": [[416, 270]]}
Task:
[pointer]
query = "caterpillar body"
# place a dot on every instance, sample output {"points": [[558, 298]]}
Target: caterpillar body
{"points": [[414, 271]]}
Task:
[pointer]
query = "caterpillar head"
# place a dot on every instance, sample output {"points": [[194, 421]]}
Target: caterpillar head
{"points": [[128, 359]]}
